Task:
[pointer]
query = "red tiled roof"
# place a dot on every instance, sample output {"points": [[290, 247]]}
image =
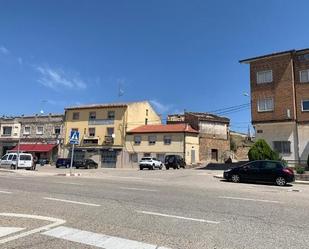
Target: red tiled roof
{"points": [[169, 128], [34, 147]]}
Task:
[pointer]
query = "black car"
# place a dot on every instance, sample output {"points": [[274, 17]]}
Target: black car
{"points": [[261, 171], [174, 161], [85, 163], [63, 162]]}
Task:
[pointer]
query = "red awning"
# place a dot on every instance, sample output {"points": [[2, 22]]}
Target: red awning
{"points": [[34, 147]]}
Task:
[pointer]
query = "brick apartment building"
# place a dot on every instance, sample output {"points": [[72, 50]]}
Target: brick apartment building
{"points": [[214, 140], [279, 85]]}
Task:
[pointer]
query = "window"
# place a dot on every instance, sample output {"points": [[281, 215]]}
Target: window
{"points": [[25, 157], [152, 140], [75, 115], [133, 158], [304, 75], [305, 105], [57, 130], [167, 140], [92, 115], [147, 154], [264, 77], [91, 132], [4, 157], [7, 130], [137, 140], [110, 131], [27, 130], [283, 147], [111, 115], [10, 157], [265, 105], [74, 129], [146, 121], [146, 112], [270, 165], [39, 130], [14, 157], [259, 131]]}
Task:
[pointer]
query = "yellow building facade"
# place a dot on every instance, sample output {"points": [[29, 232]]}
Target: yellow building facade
{"points": [[161, 140], [103, 129]]}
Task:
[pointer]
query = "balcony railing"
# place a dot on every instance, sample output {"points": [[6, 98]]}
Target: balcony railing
{"points": [[101, 122]]}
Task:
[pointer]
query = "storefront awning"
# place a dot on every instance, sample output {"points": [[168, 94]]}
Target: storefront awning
{"points": [[34, 147]]}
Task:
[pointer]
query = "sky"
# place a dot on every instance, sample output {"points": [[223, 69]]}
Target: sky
{"points": [[180, 55]]}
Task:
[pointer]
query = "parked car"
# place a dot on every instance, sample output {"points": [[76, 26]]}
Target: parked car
{"points": [[174, 161], [261, 171], [85, 163], [42, 161], [63, 162], [150, 163], [25, 161]]}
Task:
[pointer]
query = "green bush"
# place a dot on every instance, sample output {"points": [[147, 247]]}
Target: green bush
{"points": [[262, 151], [300, 170]]}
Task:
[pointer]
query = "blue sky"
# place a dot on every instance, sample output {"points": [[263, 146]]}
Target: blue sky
{"points": [[178, 54]]}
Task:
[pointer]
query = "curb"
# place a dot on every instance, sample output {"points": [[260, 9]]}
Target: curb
{"points": [[8, 170]]}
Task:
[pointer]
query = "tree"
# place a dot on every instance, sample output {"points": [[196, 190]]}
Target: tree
{"points": [[262, 151]]}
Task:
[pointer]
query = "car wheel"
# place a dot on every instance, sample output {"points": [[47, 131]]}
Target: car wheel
{"points": [[167, 168], [280, 181], [77, 167], [161, 166], [235, 178], [140, 168]]}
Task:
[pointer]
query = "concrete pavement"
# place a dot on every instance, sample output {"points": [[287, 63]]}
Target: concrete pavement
{"points": [[153, 209]]}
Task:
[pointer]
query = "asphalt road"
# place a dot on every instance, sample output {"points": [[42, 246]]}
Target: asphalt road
{"points": [[150, 210]]}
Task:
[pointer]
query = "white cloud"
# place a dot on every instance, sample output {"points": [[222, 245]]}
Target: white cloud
{"points": [[57, 79], [160, 107], [4, 50]]}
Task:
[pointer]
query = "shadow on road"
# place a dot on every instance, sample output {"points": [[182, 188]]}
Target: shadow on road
{"points": [[260, 183]]}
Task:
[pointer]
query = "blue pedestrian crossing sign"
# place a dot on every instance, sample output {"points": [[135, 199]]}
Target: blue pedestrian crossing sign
{"points": [[74, 137]]}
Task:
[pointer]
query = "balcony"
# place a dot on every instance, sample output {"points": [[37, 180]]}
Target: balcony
{"points": [[101, 122], [108, 140], [90, 140]]}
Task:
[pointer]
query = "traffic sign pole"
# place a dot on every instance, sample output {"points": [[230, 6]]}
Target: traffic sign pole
{"points": [[72, 156]]}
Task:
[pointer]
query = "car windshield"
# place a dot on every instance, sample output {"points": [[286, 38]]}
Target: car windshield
{"points": [[146, 159]]}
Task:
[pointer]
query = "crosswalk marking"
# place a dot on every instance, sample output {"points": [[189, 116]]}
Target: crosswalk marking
{"points": [[4, 231], [96, 239]]}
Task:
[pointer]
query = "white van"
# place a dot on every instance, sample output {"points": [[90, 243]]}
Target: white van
{"points": [[25, 161]]}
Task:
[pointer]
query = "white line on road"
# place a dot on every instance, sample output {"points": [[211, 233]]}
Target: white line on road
{"points": [[4, 231], [140, 189], [178, 217], [247, 199], [70, 183], [74, 202], [96, 239], [56, 222], [5, 192]]}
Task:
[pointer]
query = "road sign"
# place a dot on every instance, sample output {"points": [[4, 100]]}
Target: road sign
{"points": [[74, 137]]}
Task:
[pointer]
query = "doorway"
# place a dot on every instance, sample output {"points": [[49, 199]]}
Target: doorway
{"points": [[214, 154]]}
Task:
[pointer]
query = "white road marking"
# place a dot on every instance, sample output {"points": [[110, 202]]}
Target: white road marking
{"points": [[70, 183], [140, 189], [5, 192], [74, 202], [178, 217], [247, 199], [96, 239], [136, 178], [55, 222], [4, 231]]}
